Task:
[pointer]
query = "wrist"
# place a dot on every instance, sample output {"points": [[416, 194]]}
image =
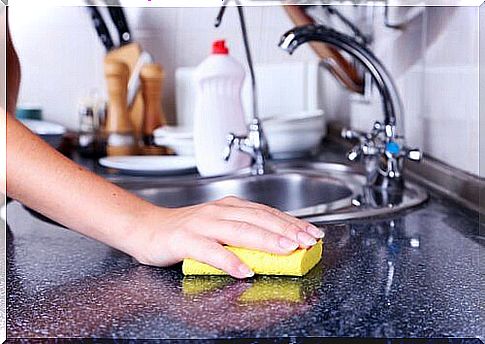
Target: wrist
{"points": [[145, 233]]}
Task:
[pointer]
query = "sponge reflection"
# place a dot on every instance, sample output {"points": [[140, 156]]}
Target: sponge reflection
{"points": [[260, 289]]}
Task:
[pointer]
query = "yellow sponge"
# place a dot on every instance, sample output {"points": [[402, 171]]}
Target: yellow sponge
{"points": [[298, 263]]}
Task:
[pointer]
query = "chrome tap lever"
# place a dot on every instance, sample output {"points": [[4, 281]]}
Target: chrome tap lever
{"points": [[354, 153], [369, 144], [232, 140], [414, 154], [254, 144], [351, 134]]}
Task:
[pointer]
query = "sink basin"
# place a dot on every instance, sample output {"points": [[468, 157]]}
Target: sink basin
{"points": [[286, 191], [318, 192]]}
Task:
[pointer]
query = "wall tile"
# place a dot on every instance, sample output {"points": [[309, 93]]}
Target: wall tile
{"points": [[451, 93], [163, 19], [67, 67], [452, 36], [449, 141]]}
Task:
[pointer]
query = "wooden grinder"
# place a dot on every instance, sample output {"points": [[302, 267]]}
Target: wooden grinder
{"points": [[118, 121], [151, 76]]}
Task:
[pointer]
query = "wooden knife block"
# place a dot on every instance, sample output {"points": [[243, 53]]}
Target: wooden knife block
{"points": [[129, 55]]}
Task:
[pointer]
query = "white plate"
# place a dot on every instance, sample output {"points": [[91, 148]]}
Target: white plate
{"points": [[154, 164], [43, 127]]}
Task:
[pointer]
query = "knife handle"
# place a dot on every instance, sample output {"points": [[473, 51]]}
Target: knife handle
{"points": [[101, 28], [118, 17]]}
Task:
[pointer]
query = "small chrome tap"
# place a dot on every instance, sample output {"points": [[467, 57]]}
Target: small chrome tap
{"points": [[383, 148], [254, 143]]}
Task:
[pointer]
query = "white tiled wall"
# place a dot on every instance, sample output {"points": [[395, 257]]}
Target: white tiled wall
{"points": [[62, 57], [434, 60]]}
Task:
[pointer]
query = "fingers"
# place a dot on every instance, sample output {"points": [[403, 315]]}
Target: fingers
{"points": [[314, 231], [248, 235], [212, 253], [273, 220], [300, 223]]}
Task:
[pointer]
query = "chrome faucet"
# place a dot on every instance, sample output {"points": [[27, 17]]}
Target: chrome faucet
{"points": [[383, 148], [254, 143]]}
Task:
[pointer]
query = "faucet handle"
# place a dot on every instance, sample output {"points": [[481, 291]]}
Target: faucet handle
{"points": [[232, 140], [394, 149], [369, 143], [354, 153], [414, 154], [350, 134]]}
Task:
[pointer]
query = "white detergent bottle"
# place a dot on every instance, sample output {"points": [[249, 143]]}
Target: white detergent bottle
{"points": [[218, 112]]}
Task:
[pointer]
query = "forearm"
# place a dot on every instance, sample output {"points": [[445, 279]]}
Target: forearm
{"points": [[13, 75], [48, 182]]}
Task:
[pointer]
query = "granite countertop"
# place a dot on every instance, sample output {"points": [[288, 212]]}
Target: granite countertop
{"points": [[416, 274]]}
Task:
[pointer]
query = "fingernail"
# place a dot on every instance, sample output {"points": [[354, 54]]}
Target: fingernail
{"points": [[306, 239], [315, 231], [246, 271], [288, 244]]}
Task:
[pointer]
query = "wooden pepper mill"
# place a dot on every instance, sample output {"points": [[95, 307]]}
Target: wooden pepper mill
{"points": [[151, 76], [121, 139]]}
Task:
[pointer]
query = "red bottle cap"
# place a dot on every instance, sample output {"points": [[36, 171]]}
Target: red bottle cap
{"points": [[219, 47]]}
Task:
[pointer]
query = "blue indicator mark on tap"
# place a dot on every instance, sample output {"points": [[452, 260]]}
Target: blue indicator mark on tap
{"points": [[393, 148]]}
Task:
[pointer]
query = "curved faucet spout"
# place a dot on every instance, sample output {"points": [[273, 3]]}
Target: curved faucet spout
{"points": [[391, 101], [383, 147]]}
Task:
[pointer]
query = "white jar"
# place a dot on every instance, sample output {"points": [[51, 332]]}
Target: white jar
{"points": [[218, 112]]}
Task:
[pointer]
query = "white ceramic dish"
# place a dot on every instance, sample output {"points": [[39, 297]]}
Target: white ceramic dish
{"points": [[183, 147], [152, 165], [294, 135], [292, 119], [43, 127], [173, 132], [291, 143]]}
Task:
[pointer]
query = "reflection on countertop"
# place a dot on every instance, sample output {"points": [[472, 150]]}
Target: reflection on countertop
{"points": [[414, 275]]}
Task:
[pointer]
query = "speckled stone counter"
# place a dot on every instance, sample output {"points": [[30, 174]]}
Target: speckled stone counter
{"points": [[419, 274]]}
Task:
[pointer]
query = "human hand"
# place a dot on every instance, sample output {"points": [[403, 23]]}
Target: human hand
{"points": [[167, 236]]}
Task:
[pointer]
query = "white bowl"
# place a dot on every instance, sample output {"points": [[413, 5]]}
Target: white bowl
{"points": [[173, 132], [290, 119], [291, 136], [183, 147]]}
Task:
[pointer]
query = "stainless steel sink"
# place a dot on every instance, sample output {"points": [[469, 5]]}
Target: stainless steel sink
{"points": [[285, 190], [319, 192]]}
